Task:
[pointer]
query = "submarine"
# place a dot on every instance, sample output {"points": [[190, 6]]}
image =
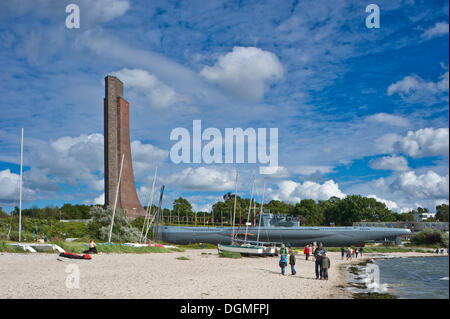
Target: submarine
{"points": [[276, 229]]}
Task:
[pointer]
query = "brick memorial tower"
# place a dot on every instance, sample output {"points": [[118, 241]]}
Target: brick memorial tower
{"points": [[117, 142]]}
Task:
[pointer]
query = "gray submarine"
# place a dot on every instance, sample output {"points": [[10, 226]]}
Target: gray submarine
{"points": [[276, 229]]}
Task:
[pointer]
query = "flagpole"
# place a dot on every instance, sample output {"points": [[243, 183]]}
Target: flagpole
{"points": [[20, 188]]}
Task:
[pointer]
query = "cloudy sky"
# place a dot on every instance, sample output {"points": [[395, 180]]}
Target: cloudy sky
{"points": [[358, 110]]}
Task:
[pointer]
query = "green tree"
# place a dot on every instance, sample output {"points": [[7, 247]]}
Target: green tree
{"points": [[442, 213], [312, 213]]}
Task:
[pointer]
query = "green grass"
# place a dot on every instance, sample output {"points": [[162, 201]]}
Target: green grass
{"points": [[230, 254], [4, 247], [76, 247], [183, 258]]}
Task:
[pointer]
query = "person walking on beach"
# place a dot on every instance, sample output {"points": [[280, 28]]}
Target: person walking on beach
{"points": [[356, 253], [349, 253], [361, 251], [342, 253], [283, 264], [292, 261], [318, 253], [306, 251], [326, 264]]}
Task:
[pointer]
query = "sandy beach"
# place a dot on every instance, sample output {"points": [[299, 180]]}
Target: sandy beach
{"points": [[204, 275]]}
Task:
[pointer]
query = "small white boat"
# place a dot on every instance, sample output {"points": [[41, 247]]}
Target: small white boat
{"points": [[243, 249]]}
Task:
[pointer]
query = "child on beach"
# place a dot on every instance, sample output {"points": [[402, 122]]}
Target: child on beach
{"points": [[283, 263], [326, 264]]}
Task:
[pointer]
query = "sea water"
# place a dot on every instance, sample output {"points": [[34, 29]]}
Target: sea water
{"points": [[415, 278]]}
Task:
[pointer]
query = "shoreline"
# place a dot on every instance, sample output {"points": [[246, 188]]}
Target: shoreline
{"points": [[348, 270]]}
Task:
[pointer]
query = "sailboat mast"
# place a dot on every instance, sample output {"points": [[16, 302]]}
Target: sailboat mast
{"points": [[115, 201], [262, 211], [234, 209], [149, 206], [20, 188], [249, 208]]}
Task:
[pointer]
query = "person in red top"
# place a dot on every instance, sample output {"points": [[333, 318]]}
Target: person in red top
{"points": [[306, 251]]}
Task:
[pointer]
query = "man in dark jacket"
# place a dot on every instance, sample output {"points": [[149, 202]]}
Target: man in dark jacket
{"points": [[318, 253], [292, 261]]}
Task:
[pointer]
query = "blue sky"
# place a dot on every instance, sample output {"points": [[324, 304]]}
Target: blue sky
{"points": [[358, 110]]}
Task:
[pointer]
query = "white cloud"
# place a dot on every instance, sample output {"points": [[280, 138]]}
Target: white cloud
{"points": [[160, 95], [245, 71], [145, 158], [9, 188], [439, 29], [312, 169], [275, 171], [100, 200], [102, 10], [414, 89], [428, 186], [389, 204], [393, 163], [293, 192], [424, 142], [389, 119], [203, 178], [72, 159]]}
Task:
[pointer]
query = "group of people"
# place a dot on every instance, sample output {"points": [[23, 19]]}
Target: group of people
{"points": [[351, 252], [322, 262]]}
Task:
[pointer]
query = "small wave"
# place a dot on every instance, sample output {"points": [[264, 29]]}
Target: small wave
{"points": [[444, 278]]}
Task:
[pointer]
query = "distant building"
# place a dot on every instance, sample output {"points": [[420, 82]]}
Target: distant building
{"points": [[413, 226], [423, 216]]}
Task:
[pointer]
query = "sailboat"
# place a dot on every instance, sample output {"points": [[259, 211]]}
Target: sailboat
{"points": [[238, 246]]}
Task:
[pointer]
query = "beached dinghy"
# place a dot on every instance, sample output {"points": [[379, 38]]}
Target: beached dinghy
{"points": [[243, 249]]}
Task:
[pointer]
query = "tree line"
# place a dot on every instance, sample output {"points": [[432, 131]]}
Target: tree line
{"points": [[334, 211]]}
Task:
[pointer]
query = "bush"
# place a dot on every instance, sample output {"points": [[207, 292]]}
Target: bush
{"points": [[100, 225], [430, 237]]}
